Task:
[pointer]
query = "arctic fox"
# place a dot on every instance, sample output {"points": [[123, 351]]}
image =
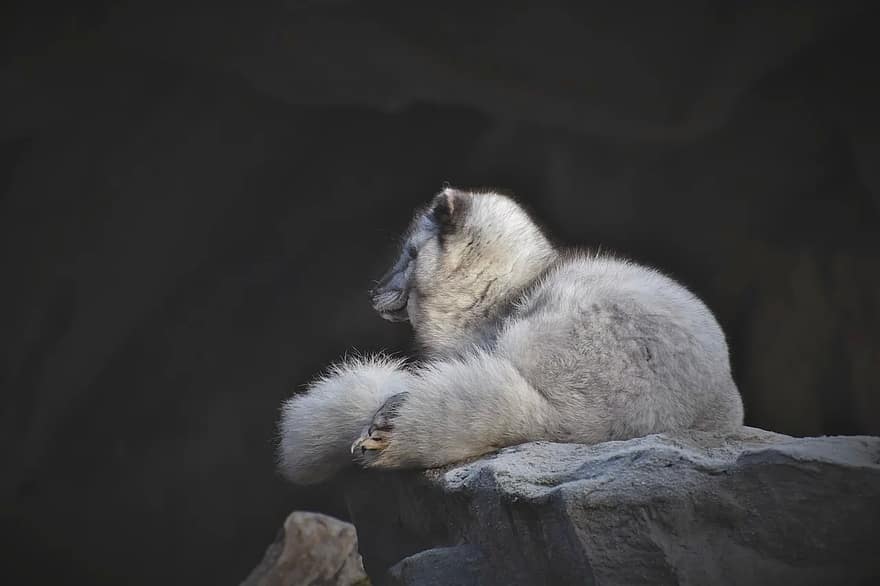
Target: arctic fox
{"points": [[523, 342]]}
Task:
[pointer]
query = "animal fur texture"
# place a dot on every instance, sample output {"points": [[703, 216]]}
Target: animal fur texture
{"points": [[523, 342]]}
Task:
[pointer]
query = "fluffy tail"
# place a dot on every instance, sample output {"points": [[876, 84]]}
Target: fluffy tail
{"points": [[317, 427]]}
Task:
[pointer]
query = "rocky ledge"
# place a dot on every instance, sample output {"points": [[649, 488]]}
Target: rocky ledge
{"points": [[753, 508]]}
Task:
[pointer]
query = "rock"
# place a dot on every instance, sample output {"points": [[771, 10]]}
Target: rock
{"points": [[311, 549], [696, 508], [460, 565]]}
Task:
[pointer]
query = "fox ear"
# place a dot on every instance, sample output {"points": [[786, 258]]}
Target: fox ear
{"points": [[447, 207]]}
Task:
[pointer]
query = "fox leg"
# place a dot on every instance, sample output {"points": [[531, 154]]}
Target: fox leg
{"points": [[453, 410]]}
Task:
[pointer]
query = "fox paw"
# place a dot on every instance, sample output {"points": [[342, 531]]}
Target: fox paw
{"points": [[377, 436]]}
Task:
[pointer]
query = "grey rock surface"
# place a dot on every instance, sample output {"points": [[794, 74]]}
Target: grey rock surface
{"points": [[698, 508], [311, 549]]}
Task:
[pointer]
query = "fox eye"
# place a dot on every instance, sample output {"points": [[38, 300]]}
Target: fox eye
{"points": [[412, 251]]}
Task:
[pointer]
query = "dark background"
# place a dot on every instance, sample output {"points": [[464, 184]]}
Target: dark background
{"points": [[194, 198]]}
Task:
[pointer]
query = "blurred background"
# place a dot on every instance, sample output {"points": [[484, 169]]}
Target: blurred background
{"points": [[195, 197]]}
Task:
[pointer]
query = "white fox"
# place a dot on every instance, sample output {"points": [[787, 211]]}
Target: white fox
{"points": [[524, 342]]}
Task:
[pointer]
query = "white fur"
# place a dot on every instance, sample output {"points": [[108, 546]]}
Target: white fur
{"points": [[443, 419], [525, 344], [318, 426]]}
